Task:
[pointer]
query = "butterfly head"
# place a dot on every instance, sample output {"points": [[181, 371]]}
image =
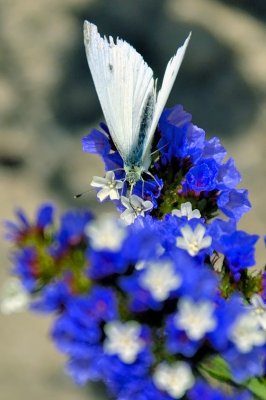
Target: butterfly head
{"points": [[133, 174]]}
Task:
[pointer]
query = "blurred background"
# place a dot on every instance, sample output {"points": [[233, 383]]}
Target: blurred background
{"points": [[48, 102]]}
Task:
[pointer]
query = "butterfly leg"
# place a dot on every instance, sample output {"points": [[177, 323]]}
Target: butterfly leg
{"points": [[153, 177]]}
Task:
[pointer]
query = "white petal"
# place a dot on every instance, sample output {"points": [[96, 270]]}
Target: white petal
{"points": [[199, 232], [98, 181], [195, 214], [114, 194], [206, 242], [103, 193]]}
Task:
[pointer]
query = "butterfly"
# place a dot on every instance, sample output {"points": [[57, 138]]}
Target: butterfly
{"points": [[127, 93]]}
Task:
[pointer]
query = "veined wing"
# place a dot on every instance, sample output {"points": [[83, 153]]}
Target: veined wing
{"points": [[123, 82], [163, 94]]}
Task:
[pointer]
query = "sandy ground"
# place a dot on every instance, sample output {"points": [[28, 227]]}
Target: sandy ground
{"points": [[47, 103]]}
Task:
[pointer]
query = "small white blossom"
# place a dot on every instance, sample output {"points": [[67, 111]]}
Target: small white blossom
{"points": [[186, 211], [123, 340], [195, 318], [193, 241], [259, 309], [140, 265], [13, 297], [217, 261], [160, 278], [247, 333], [175, 379], [135, 206], [109, 186], [106, 233]]}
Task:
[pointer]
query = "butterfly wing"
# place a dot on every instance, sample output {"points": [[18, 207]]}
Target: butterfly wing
{"points": [[163, 94], [124, 83]]}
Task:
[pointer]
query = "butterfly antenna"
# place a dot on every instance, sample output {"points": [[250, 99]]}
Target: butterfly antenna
{"points": [[157, 150], [77, 196]]}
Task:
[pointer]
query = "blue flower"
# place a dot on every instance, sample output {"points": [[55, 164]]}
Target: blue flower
{"points": [[202, 390], [179, 137], [72, 228], [202, 177], [45, 216], [18, 232], [99, 305], [79, 325], [125, 380], [213, 149], [85, 368], [177, 342], [228, 176], [105, 263], [245, 365], [234, 203], [96, 142], [26, 267], [239, 250], [54, 297]]}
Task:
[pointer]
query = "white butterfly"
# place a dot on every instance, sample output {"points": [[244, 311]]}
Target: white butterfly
{"points": [[127, 93]]}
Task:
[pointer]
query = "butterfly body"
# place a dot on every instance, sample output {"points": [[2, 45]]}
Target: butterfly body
{"points": [[127, 93]]}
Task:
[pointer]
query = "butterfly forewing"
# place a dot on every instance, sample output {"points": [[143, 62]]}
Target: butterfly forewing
{"points": [[124, 83], [167, 84]]}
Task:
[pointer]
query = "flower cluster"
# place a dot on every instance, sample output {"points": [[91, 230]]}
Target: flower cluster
{"points": [[141, 306], [185, 167], [159, 304]]}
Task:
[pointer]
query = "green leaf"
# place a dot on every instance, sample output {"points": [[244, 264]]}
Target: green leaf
{"points": [[217, 368], [258, 387]]}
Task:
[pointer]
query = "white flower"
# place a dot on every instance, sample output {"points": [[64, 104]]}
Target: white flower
{"points": [[140, 265], [217, 261], [193, 241], [13, 297], [160, 279], [259, 309], [109, 186], [186, 211], [195, 318], [123, 340], [106, 233], [247, 333], [135, 206], [175, 379]]}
